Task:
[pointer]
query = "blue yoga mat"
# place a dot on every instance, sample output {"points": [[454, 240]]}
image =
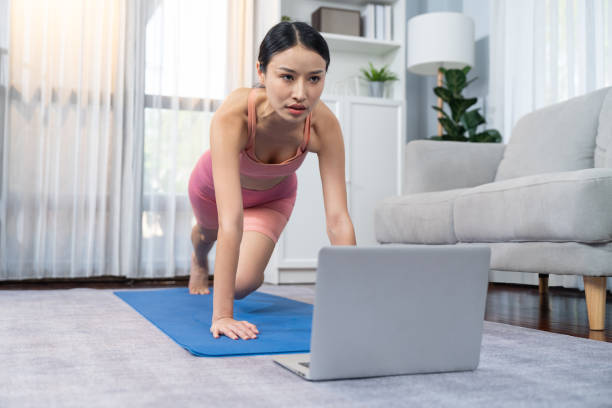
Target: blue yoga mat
{"points": [[284, 325]]}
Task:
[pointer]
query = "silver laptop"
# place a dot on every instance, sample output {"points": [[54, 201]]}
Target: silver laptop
{"points": [[395, 309]]}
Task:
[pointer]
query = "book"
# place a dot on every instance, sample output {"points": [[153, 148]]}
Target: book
{"points": [[368, 21], [388, 23], [380, 21]]}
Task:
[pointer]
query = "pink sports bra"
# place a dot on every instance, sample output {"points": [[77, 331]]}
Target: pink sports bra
{"points": [[251, 166]]}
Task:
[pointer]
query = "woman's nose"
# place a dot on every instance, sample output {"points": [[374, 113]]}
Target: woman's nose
{"points": [[299, 89]]}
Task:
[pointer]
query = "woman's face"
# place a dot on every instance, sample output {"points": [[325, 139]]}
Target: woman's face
{"points": [[295, 77]]}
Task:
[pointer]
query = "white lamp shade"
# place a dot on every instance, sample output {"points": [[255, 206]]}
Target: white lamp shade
{"points": [[437, 40]]}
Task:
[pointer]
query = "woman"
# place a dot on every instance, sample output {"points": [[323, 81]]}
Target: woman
{"points": [[243, 189]]}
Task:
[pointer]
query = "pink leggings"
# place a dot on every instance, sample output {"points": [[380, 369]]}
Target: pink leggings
{"points": [[265, 211]]}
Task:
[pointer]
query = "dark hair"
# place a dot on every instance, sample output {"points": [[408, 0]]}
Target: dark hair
{"points": [[287, 34]]}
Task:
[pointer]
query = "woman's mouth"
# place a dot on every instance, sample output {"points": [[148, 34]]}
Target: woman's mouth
{"points": [[296, 109]]}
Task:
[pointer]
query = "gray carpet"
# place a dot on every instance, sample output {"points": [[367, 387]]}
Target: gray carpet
{"points": [[86, 347]]}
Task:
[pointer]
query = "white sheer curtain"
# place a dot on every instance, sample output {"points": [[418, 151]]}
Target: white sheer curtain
{"points": [[197, 52], [542, 52], [68, 147], [104, 110]]}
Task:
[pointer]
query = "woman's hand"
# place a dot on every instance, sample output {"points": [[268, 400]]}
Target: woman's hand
{"points": [[233, 328]]}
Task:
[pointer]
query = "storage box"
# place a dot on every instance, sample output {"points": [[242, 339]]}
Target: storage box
{"points": [[337, 21]]}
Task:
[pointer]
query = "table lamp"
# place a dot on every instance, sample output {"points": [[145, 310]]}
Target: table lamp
{"points": [[441, 39]]}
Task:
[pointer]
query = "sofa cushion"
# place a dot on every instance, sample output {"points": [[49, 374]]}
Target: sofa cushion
{"points": [[553, 207], [438, 165], [603, 141], [424, 218], [560, 137]]}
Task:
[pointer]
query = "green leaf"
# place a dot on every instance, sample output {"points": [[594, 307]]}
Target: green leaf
{"points": [[448, 125], [443, 93], [453, 129], [442, 111], [472, 120], [455, 138], [455, 80], [459, 106], [366, 74], [488, 136]]}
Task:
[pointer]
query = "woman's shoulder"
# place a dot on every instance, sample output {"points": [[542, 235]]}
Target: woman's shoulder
{"points": [[235, 105], [323, 124], [231, 118], [322, 117]]}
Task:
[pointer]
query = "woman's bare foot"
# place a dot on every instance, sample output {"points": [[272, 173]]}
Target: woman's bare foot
{"points": [[198, 277]]}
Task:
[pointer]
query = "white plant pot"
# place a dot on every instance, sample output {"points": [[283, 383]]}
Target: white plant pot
{"points": [[377, 89]]}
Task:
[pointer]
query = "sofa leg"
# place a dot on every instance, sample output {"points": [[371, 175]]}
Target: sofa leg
{"points": [[595, 292], [543, 287]]}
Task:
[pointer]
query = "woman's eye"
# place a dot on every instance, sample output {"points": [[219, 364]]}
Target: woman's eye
{"points": [[314, 79]]}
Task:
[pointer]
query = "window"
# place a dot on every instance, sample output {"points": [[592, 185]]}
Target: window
{"points": [[184, 79]]}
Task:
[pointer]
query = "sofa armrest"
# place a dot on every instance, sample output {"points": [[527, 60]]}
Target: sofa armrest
{"points": [[570, 206], [433, 165]]}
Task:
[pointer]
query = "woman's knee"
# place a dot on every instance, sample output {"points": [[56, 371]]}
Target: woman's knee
{"points": [[241, 294], [246, 287], [201, 235]]}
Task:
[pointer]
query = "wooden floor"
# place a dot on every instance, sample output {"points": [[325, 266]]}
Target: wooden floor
{"points": [[561, 311]]}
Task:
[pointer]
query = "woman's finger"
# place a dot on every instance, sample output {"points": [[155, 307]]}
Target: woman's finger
{"points": [[215, 332], [242, 329], [250, 329], [229, 333], [241, 332], [251, 326]]}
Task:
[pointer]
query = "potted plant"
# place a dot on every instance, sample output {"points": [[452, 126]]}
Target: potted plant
{"points": [[460, 119], [377, 78]]}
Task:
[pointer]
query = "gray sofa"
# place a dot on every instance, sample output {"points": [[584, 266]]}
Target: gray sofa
{"points": [[543, 202]]}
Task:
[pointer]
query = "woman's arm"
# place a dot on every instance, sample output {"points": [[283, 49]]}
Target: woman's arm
{"points": [[331, 166], [227, 131], [225, 150]]}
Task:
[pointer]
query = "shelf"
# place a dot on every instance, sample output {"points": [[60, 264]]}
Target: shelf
{"points": [[351, 43], [364, 2], [361, 99]]}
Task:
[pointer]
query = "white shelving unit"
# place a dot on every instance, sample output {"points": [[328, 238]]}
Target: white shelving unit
{"points": [[348, 53], [373, 130]]}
